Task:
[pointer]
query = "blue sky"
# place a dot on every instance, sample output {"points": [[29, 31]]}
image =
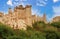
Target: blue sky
{"points": [[39, 7]]}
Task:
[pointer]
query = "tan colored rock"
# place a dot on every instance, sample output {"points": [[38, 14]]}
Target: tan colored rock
{"points": [[20, 17]]}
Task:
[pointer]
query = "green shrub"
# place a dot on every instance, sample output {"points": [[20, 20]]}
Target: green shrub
{"points": [[51, 35], [56, 24]]}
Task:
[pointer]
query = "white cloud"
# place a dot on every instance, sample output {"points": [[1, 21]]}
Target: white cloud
{"points": [[9, 2], [41, 3], [21, 3], [55, 1], [22, 0], [15, 2], [36, 12], [56, 10], [38, 4]]}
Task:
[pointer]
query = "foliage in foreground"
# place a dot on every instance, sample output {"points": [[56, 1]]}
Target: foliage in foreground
{"points": [[56, 24], [39, 31]]}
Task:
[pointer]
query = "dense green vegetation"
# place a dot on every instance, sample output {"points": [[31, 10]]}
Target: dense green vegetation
{"points": [[40, 30], [56, 24]]}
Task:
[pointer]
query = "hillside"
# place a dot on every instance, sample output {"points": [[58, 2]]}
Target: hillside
{"points": [[40, 30]]}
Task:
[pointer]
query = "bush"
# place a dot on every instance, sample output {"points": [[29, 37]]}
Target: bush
{"points": [[5, 31], [39, 26], [56, 24], [51, 35]]}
